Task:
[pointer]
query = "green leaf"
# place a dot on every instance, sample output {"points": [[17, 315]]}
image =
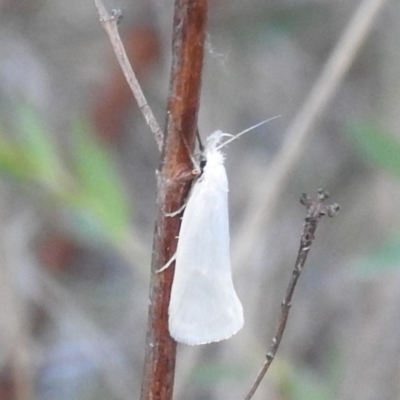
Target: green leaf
{"points": [[41, 156], [101, 192], [378, 146], [13, 161]]}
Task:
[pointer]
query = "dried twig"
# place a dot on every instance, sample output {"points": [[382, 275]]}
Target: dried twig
{"points": [[315, 210], [174, 177], [110, 24]]}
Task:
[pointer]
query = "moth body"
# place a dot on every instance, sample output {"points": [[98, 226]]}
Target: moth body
{"points": [[204, 307]]}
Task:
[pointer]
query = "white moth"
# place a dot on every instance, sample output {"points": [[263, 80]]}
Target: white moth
{"points": [[204, 306]]}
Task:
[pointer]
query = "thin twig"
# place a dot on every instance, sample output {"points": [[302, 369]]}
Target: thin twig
{"points": [[110, 24], [266, 196], [315, 210], [174, 177]]}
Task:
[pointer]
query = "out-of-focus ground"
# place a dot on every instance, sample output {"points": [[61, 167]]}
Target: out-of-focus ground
{"points": [[77, 213]]}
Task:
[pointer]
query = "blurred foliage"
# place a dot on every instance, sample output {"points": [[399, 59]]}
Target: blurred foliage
{"points": [[282, 20], [300, 383], [386, 258], [382, 149], [292, 383], [91, 193], [39, 156], [211, 374], [377, 146], [101, 192]]}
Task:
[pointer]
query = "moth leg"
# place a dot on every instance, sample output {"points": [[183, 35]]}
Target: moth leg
{"points": [[171, 260]]}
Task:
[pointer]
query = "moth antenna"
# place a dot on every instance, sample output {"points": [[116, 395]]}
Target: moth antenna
{"points": [[202, 158], [196, 165], [201, 146], [234, 137]]}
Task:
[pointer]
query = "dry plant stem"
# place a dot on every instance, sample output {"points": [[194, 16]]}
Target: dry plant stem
{"points": [[315, 210], [174, 178], [110, 23], [338, 64]]}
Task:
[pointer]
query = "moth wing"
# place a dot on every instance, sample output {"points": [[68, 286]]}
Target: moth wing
{"points": [[204, 306]]}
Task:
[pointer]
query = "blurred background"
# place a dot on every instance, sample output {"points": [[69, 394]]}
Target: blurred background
{"points": [[78, 190]]}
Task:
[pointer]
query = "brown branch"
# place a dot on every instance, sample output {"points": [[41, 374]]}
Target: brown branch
{"points": [[315, 210], [110, 24], [173, 185]]}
